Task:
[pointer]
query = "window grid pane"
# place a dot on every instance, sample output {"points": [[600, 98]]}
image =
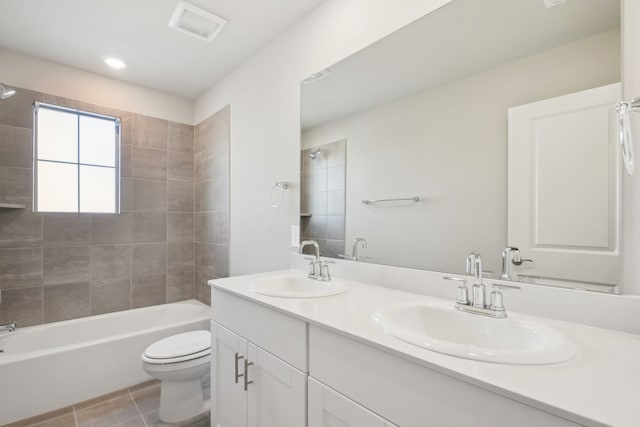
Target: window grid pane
{"points": [[77, 167], [57, 187]]}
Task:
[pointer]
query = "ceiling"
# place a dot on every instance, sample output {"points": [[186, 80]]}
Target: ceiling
{"points": [[460, 39], [79, 33]]}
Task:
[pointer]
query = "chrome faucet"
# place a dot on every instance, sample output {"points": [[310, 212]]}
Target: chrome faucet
{"points": [[8, 327], [354, 249], [507, 255], [477, 303], [511, 255], [318, 269]]}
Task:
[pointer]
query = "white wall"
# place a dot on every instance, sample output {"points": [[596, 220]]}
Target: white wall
{"points": [[264, 94], [448, 145], [44, 76]]}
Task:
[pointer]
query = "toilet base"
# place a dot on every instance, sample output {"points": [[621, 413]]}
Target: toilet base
{"points": [[182, 400]]}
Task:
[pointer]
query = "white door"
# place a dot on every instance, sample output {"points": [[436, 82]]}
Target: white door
{"points": [[564, 186], [227, 378], [328, 408], [277, 391]]}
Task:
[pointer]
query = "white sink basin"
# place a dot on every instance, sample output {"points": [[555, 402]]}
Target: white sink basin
{"points": [[440, 327], [292, 286]]}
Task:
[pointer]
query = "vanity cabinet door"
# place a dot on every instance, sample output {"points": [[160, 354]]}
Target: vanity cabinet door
{"points": [[228, 352], [328, 408], [277, 391]]}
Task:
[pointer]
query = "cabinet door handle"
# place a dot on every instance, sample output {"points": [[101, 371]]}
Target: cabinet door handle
{"points": [[246, 374], [238, 375]]}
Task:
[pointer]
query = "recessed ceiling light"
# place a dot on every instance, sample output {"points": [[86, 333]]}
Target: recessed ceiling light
{"points": [[115, 63]]}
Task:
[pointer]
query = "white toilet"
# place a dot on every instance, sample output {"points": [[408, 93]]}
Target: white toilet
{"points": [[181, 363]]}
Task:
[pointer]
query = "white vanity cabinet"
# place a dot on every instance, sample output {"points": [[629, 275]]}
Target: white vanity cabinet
{"points": [[252, 387], [254, 380], [328, 408], [271, 368], [409, 394]]}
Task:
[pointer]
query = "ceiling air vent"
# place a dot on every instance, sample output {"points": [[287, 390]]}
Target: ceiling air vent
{"points": [[196, 22]]}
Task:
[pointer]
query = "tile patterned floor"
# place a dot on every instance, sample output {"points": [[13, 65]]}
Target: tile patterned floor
{"points": [[136, 406]]}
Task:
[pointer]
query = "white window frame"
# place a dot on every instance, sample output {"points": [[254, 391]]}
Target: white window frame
{"points": [[36, 159]]}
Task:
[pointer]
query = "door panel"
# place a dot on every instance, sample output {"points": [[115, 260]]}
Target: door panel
{"points": [[564, 186], [278, 392], [328, 408], [230, 408]]}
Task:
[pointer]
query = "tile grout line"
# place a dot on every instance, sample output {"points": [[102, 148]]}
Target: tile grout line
{"points": [[137, 407]]}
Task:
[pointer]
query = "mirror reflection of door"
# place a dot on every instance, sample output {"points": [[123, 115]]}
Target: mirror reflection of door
{"points": [[564, 187]]}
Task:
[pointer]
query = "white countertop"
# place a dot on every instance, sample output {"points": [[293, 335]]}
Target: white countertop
{"points": [[599, 386]]}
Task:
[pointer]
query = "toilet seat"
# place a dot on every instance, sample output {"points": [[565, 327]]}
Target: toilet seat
{"points": [[179, 348]]}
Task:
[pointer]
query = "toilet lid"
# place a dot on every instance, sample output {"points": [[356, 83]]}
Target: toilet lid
{"points": [[184, 344]]}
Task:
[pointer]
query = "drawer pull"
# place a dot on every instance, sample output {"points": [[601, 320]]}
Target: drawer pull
{"points": [[246, 374], [238, 375]]}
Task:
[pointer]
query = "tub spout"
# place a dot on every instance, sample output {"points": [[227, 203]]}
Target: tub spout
{"points": [[9, 327]]}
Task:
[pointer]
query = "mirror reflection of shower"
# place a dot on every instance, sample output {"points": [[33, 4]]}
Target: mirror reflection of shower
{"points": [[314, 154], [323, 183], [6, 92]]}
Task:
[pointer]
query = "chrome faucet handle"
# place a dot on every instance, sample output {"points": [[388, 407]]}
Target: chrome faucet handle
{"points": [[497, 304], [312, 266], [462, 292], [325, 274], [519, 260]]}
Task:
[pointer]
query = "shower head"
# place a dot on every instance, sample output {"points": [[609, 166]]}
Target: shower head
{"points": [[6, 92], [314, 154]]}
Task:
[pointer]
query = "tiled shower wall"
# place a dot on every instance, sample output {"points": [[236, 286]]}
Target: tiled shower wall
{"points": [[63, 266], [212, 200], [322, 210]]}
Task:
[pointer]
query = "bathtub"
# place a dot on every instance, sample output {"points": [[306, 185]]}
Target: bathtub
{"points": [[50, 366]]}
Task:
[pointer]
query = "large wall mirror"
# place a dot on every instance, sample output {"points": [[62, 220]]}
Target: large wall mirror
{"points": [[483, 126]]}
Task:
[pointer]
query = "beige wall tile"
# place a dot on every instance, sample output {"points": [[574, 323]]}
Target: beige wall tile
{"points": [[16, 147], [180, 197], [221, 260], [149, 132], [110, 228], [68, 301], [149, 290], [181, 138], [64, 264], [125, 160], [180, 167], [149, 258], [148, 163], [18, 110], [126, 196], [149, 195], [180, 286], [221, 228], [180, 257], [23, 306], [148, 227], [335, 227], [20, 268], [221, 192], [202, 289], [110, 262], [20, 228], [67, 229], [15, 185], [180, 227], [110, 296]]}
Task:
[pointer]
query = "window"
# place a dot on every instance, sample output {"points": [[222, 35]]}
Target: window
{"points": [[76, 161]]}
